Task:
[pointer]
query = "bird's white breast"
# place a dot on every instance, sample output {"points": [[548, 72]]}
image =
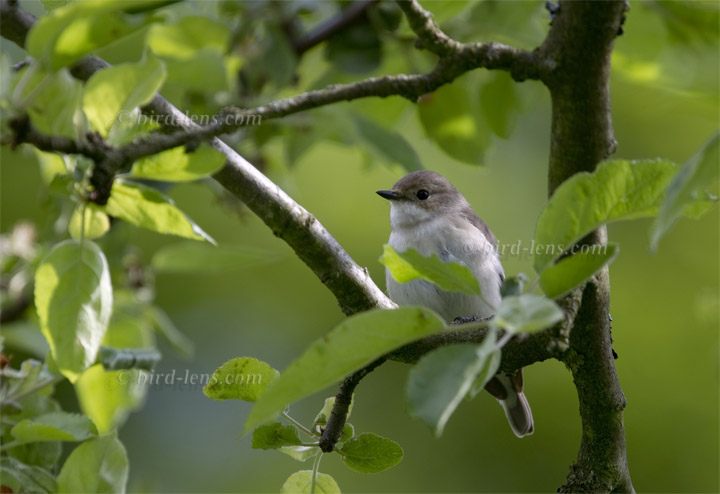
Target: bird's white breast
{"points": [[452, 239]]}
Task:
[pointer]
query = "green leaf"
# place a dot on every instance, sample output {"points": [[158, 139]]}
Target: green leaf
{"points": [[357, 49], [30, 375], [53, 4], [442, 378], [25, 336], [147, 208], [108, 397], [128, 358], [686, 188], [121, 88], [300, 453], [489, 369], [68, 33], [348, 432], [73, 297], [206, 72], [526, 314], [196, 258], [410, 265], [183, 39], [498, 101], [58, 426], [274, 436], [55, 103], [96, 221], [194, 51], [388, 144], [448, 119], [41, 454], [300, 483], [616, 190], [370, 453], [24, 478], [322, 417], [177, 165], [513, 285], [98, 465], [241, 378], [558, 279], [353, 344]]}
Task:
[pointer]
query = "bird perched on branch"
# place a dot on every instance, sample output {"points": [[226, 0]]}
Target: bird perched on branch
{"points": [[428, 214]]}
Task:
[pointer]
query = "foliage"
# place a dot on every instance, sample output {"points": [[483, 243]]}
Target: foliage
{"points": [[94, 319]]}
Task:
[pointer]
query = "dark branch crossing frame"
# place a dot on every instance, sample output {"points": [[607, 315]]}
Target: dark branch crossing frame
{"points": [[573, 63]]}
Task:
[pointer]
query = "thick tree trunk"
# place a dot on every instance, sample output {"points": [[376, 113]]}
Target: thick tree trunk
{"points": [[576, 58]]}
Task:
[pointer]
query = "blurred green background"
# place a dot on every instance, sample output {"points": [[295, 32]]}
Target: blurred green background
{"points": [[664, 306]]}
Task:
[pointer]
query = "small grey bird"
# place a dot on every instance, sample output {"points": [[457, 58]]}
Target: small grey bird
{"points": [[428, 214]]}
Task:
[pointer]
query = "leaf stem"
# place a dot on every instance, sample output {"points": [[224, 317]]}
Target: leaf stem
{"points": [[300, 426], [505, 338], [316, 467]]}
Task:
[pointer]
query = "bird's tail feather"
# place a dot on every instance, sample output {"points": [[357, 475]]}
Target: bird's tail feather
{"points": [[508, 389]]}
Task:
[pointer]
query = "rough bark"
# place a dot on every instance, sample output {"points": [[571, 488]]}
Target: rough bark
{"points": [[577, 53]]}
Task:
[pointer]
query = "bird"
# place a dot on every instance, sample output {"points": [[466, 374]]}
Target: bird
{"points": [[430, 215]]}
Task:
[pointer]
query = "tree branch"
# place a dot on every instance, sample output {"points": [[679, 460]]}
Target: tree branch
{"points": [[578, 50], [335, 24], [351, 284], [343, 399], [429, 35], [520, 351]]}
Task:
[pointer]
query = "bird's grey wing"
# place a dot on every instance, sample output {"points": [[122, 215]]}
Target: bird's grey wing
{"points": [[475, 220], [478, 223]]}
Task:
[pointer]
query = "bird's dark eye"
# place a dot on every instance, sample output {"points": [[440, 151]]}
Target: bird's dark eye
{"points": [[423, 194]]}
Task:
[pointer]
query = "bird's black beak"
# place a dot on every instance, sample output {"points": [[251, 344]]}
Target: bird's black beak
{"points": [[389, 195]]}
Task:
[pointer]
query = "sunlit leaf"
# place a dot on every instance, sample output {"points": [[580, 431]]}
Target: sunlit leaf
{"points": [[189, 34], [147, 208], [300, 483], [616, 190], [242, 378], [353, 344], [54, 102], [410, 265], [70, 32], [96, 222], [557, 279], [98, 465], [121, 88], [177, 165], [73, 296], [56, 426]]}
